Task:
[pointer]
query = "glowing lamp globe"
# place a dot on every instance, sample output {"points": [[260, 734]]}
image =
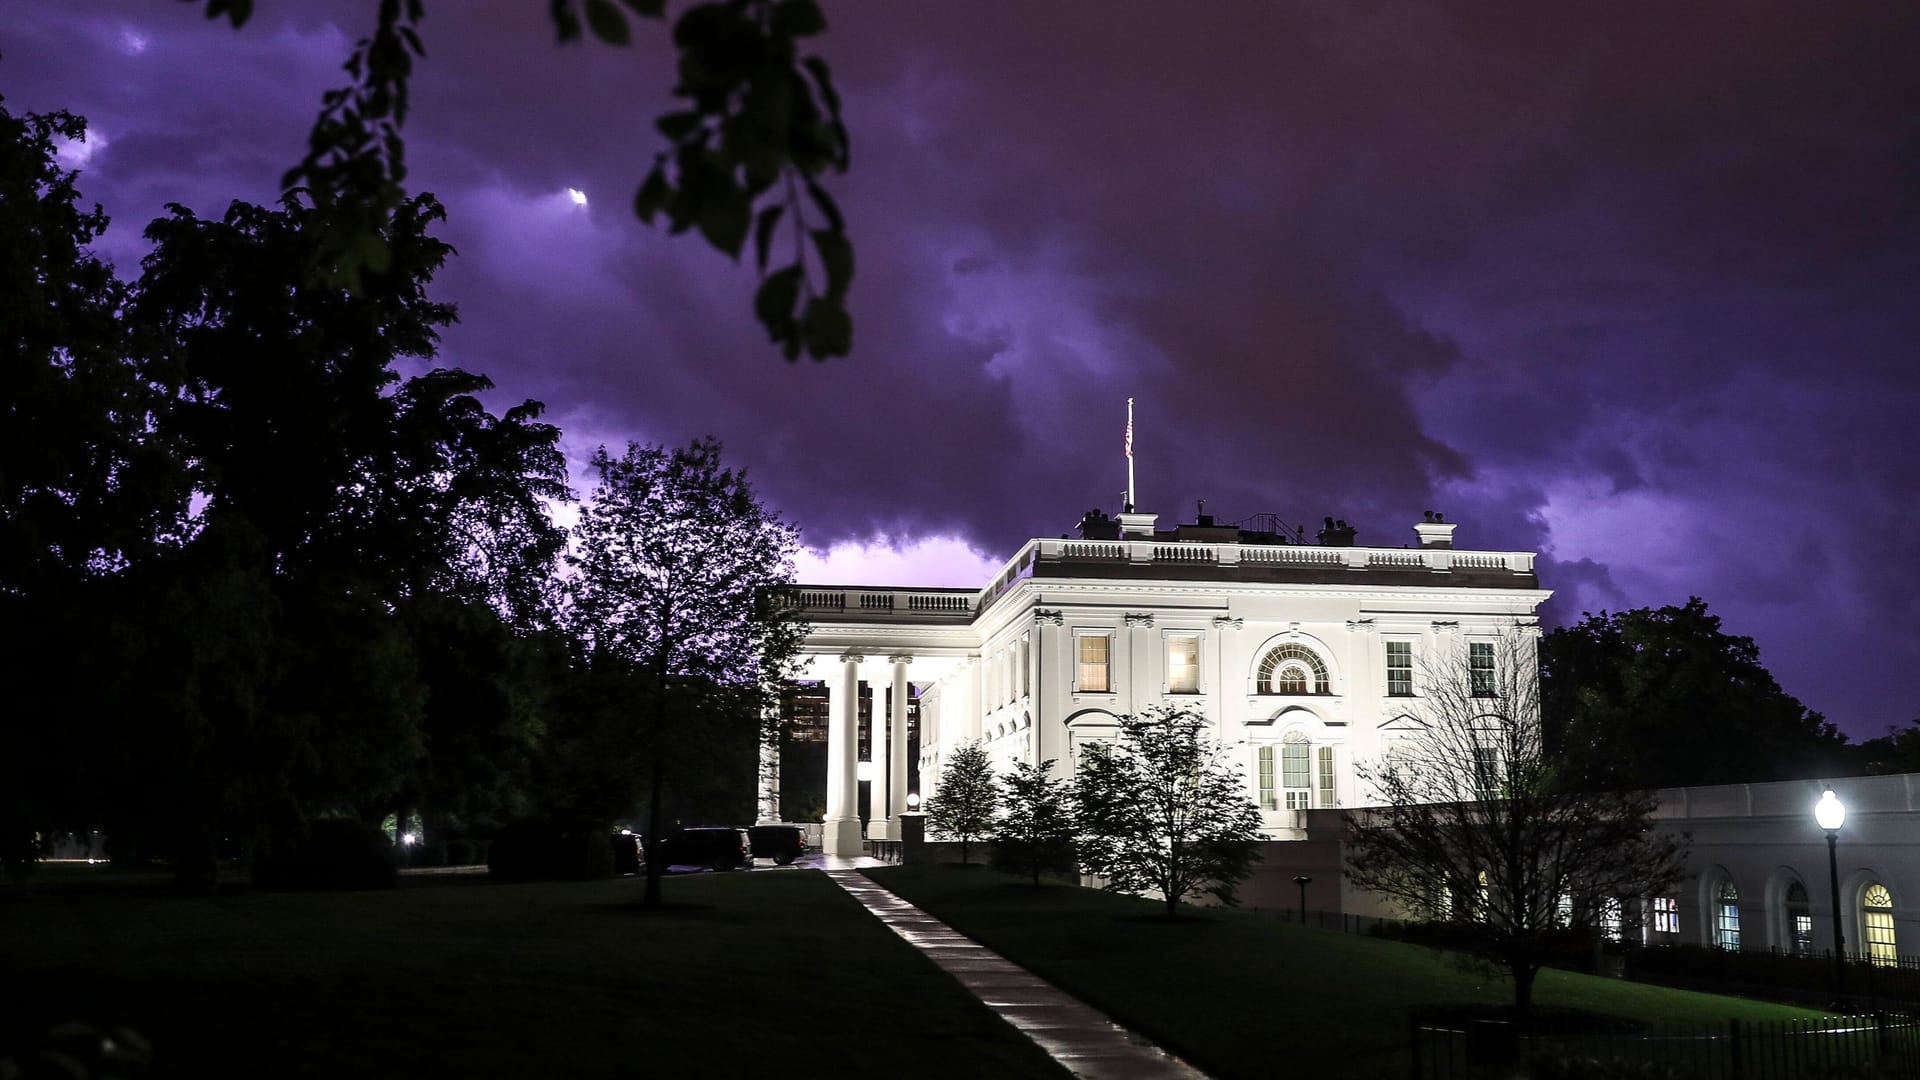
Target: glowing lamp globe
{"points": [[1829, 811], [863, 771]]}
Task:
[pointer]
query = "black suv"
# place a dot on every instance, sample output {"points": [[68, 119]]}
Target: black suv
{"points": [[781, 843], [717, 847]]}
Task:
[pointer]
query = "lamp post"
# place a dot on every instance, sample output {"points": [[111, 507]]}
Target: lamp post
{"points": [[1303, 881], [863, 772], [1831, 814]]}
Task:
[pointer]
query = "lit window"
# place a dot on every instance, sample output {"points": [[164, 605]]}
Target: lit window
{"points": [[1094, 663], [1876, 925], [1183, 663], [1292, 669], [1480, 668], [1799, 921], [1613, 918], [1295, 773], [1666, 915], [1399, 669], [1268, 800], [1325, 755], [1726, 917]]}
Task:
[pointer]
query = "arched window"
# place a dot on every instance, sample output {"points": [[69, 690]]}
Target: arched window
{"points": [[1799, 921], [1296, 773], [1292, 669], [1726, 917], [1876, 924]]}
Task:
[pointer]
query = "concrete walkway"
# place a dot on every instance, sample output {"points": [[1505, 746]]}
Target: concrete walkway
{"points": [[1074, 1033]]}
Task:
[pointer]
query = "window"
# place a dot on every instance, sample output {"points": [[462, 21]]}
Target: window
{"points": [[1295, 774], [1325, 754], [1094, 653], [1480, 668], [1488, 776], [1268, 800], [1183, 663], [1399, 669], [1726, 917], [1666, 915], [1876, 925], [1613, 918], [1292, 669], [1799, 921]]}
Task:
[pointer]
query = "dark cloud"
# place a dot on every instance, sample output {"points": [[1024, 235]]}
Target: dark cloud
{"points": [[1630, 285]]}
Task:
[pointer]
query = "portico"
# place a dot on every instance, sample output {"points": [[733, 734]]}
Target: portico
{"points": [[891, 640]]}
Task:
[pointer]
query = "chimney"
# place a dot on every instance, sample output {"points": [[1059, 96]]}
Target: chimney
{"points": [[1434, 530], [1336, 533], [1136, 526]]}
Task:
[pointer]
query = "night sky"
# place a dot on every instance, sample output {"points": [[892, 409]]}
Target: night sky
{"points": [[1631, 286]]}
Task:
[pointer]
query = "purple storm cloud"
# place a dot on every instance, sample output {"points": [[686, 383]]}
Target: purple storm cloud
{"points": [[1629, 285]]}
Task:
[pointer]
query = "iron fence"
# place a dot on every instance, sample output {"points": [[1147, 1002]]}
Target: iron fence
{"points": [[1877, 1045]]}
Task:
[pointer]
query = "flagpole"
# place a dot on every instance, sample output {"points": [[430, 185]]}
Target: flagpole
{"points": [[1130, 502]]}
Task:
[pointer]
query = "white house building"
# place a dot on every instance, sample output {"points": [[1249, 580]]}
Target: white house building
{"points": [[1303, 655]]}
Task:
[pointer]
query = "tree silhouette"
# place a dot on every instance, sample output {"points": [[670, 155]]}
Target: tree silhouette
{"points": [[965, 802], [677, 573], [1036, 833], [1478, 825]]}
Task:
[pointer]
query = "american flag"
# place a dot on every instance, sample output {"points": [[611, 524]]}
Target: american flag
{"points": [[1129, 427]]}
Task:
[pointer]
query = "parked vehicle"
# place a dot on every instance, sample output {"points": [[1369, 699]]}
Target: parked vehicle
{"points": [[628, 852], [781, 843], [712, 846]]}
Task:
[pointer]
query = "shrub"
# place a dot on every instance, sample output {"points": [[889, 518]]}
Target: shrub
{"points": [[334, 853]]}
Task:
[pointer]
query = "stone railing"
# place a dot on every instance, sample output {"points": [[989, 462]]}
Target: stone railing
{"points": [[866, 603], [1435, 560]]}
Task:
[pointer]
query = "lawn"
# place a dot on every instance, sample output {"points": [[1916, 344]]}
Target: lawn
{"points": [[743, 974], [1243, 994]]}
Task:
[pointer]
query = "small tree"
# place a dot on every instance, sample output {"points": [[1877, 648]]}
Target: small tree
{"points": [[1477, 824], [964, 804], [1037, 831], [1159, 810]]}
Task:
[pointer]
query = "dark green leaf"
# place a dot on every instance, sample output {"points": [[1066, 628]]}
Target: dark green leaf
{"points": [[836, 255], [725, 216], [654, 193], [823, 78], [763, 232], [827, 328], [773, 303], [797, 19], [678, 125], [647, 9], [827, 206], [607, 23], [566, 24]]}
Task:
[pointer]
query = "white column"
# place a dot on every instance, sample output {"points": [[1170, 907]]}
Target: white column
{"points": [[895, 764], [842, 827], [879, 819]]}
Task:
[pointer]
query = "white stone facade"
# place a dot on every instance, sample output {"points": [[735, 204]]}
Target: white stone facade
{"points": [[1286, 647]]}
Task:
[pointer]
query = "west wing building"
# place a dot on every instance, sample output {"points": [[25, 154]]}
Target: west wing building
{"points": [[1303, 655]]}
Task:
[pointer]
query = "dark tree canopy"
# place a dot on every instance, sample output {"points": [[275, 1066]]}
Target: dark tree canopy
{"points": [[1660, 697], [85, 488], [1037, 829], [678, 570], [966, 802], [758, 131], [1159, 811], [1476, 827]]}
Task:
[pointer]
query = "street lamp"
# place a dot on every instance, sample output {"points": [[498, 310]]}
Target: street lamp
{"points": [[1303, 881], [1831, 814], [863, 773], [913, 800]]}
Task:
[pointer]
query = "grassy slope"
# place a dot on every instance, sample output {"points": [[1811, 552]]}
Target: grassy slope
{"points": [[1242, 993], [744, 974]]}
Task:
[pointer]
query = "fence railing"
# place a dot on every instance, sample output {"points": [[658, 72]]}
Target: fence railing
{"points": [[1887, 1043]]}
